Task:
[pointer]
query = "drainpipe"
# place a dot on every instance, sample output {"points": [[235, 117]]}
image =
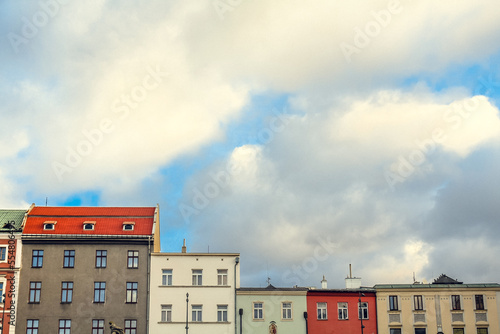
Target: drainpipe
{"points": [[149, 285], [241, 321], [307, 326], [237, 260]]}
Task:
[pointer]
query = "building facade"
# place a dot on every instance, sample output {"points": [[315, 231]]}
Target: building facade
{"points": [[272, 310], [84, 267], [11, 223], [195, 290], [445, 306]]}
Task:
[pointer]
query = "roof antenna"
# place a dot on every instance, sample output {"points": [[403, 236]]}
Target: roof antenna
{"points": [[46, 199]]}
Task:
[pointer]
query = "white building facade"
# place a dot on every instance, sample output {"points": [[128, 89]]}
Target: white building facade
{"points": [[209, 280]]}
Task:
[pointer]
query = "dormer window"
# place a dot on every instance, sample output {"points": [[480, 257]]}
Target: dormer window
{"points": [[88, 226], [128, 226], [49, 225]]}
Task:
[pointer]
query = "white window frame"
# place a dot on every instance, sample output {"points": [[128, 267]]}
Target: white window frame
{"points": [[389, 303], [460, 299], [222, 277], [343, 310], [197, 277], [415, 304], [361, 307], [323, 306], [6, 247], [260, 310], [484, 303], [286, 313], [221, 313], [167, 277], [166, 313], [197, 313]]}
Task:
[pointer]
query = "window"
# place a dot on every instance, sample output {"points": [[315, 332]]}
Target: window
{"points": [[133, 259], [32, 326], [37, 259], [343, 314], [363, 311], [99, 292], [98, 326], [88, 226], [196, 313], [395, 331], [197, 276], [455, 302], [222, 313], [128, 226], [69, 259], [131, 292], [393, 303], [35, 291], [64, 326], [482, 331], [258, 311], [67, 292], [166, 313], [418, 303], [221, 276], [322, 312], [1, 291], [458, 331], [286, 310], [3, 253], [130, 326], [419, 330], [479, 302], [101, 258], [49, 225], [166, 277]]}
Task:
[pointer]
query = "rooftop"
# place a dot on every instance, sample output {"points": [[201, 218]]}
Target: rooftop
{"points": [[11, 220]]}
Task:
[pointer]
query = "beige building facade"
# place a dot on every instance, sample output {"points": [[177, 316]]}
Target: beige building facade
{"points": [[445, 306]]}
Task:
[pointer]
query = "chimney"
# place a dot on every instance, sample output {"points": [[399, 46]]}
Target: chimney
{"points": [[184, 246], [352, 282], [324, 284]]}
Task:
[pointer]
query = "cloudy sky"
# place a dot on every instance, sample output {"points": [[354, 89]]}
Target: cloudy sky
{"points": [[303, 135]]}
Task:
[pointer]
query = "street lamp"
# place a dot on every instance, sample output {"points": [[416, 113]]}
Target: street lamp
{"points": [[187, 312], [361, 311]]}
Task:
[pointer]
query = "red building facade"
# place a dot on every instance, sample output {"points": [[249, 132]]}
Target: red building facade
{"points": [[337, 311]]}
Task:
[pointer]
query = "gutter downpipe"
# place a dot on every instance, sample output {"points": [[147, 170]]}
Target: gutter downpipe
{"points": [[237, 260], [149, 285]]}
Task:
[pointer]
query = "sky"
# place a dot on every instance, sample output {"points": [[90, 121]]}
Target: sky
{"points": [[305, 136]]}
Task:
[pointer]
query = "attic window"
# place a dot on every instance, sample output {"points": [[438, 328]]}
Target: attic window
{"points": [[88, 226], [128, 226], [49, 225]]}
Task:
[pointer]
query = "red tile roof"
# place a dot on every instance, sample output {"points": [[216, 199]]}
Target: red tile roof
{"points": [[109, 220]]}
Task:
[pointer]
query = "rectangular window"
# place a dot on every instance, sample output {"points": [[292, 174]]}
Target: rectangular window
{"points": [[455, 302], [99, 292], [222, 313], [131, 292], [32, 326], [1, 291], [67, 292], [393, 303], [221, 276], [101, 258], [98, 326], [3, 253], [69, 259], [130, 326], [343, 314], [322, 311], [258, 311], [363, 311], [479, 302], [197, 276], [37, 259], [419, 330], [166, 313], [133, 259], [395, 331], [482, 331], [35, 291], [166, 277], [286, 310], [418, 303], [64, 326], [196, 313], [458, 331]]}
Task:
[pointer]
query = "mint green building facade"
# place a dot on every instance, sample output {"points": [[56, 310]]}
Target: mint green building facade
{"points": [[271, 310]]}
